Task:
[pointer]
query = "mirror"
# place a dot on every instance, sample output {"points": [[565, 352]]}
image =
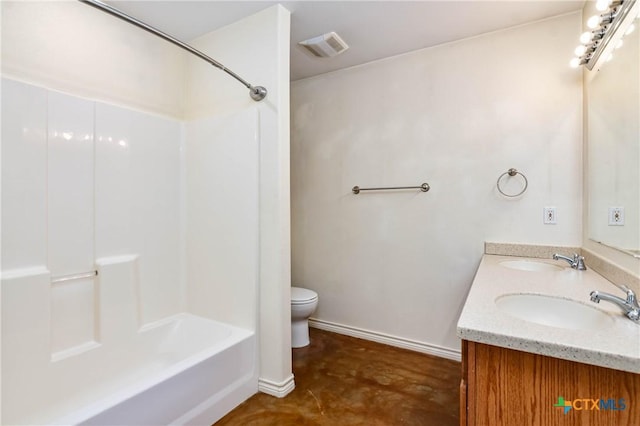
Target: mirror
{"points": [[613, 173]]}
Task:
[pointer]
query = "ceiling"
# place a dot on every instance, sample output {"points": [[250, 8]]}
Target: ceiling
{"points": [[372, 29]]}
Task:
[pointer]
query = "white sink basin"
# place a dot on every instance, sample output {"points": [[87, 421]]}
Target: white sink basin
{"points": [[529, 265], [553, 311]]}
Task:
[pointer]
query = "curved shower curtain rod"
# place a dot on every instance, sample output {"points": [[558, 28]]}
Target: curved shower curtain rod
{"points": [[257, 93]]}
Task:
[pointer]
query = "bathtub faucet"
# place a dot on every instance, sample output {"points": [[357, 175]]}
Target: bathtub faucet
{"points": [[629, 306], [576, 263]]}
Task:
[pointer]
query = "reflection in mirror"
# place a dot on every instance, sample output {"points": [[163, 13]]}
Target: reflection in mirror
{"points": [[614, 149]]}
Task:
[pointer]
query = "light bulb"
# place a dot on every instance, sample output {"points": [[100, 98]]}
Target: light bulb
{"points": [[593, 22], [619, 44], [574, 63], [602, 5], [586, 37], [580, 50], [610, 57], [630, 29]]}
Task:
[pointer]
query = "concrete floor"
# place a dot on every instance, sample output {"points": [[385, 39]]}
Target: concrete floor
{"points": [[342, 381]]}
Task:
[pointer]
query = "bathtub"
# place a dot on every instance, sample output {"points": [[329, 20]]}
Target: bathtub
{"points": [[181, 370]]}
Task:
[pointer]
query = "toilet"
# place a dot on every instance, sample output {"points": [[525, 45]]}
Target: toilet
{"points": [[303, 303]]}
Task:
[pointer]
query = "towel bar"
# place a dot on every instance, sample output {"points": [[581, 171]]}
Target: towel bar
{"points": [[71, 277], [424, 188]]}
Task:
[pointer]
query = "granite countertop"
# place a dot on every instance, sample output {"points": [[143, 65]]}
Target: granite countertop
{"points": [[614, 346]]}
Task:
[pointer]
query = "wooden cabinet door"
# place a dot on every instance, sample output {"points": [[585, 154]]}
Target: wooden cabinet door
{"points": [[508, 387]]}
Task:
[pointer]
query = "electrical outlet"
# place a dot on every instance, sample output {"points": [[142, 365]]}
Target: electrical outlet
{"points": [[616, 216], [550, 216]]}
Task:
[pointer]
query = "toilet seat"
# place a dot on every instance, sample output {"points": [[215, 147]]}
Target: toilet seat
{"points": [[303, 304], [302, 296]]}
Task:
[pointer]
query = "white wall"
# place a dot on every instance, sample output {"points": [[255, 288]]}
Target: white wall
{"points": [[74, 48], [456, 116], [262, 60]]}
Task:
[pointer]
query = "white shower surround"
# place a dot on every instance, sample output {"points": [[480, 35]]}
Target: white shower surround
{"points": [[92, 186], [117, 181]]}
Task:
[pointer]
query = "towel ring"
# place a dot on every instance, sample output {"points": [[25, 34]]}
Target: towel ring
{"points": [[512, 172]]}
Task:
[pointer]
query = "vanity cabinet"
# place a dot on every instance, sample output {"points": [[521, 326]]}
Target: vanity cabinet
{"points": [[506, 387]]}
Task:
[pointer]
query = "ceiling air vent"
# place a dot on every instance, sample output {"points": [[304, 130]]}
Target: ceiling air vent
{"points": [[326, 45]]}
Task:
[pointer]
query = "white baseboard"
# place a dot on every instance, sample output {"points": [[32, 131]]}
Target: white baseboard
{"points": [[279, 390], [386, 339]]}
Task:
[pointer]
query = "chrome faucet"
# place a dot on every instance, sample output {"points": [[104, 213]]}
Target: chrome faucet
{"points": [[576, 263], [629, 306]]}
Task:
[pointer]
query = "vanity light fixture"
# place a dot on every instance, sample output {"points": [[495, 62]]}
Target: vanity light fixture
{"points": [[601, 20], [580, 50], [589, 36], [603, 26], [576, 62]]}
